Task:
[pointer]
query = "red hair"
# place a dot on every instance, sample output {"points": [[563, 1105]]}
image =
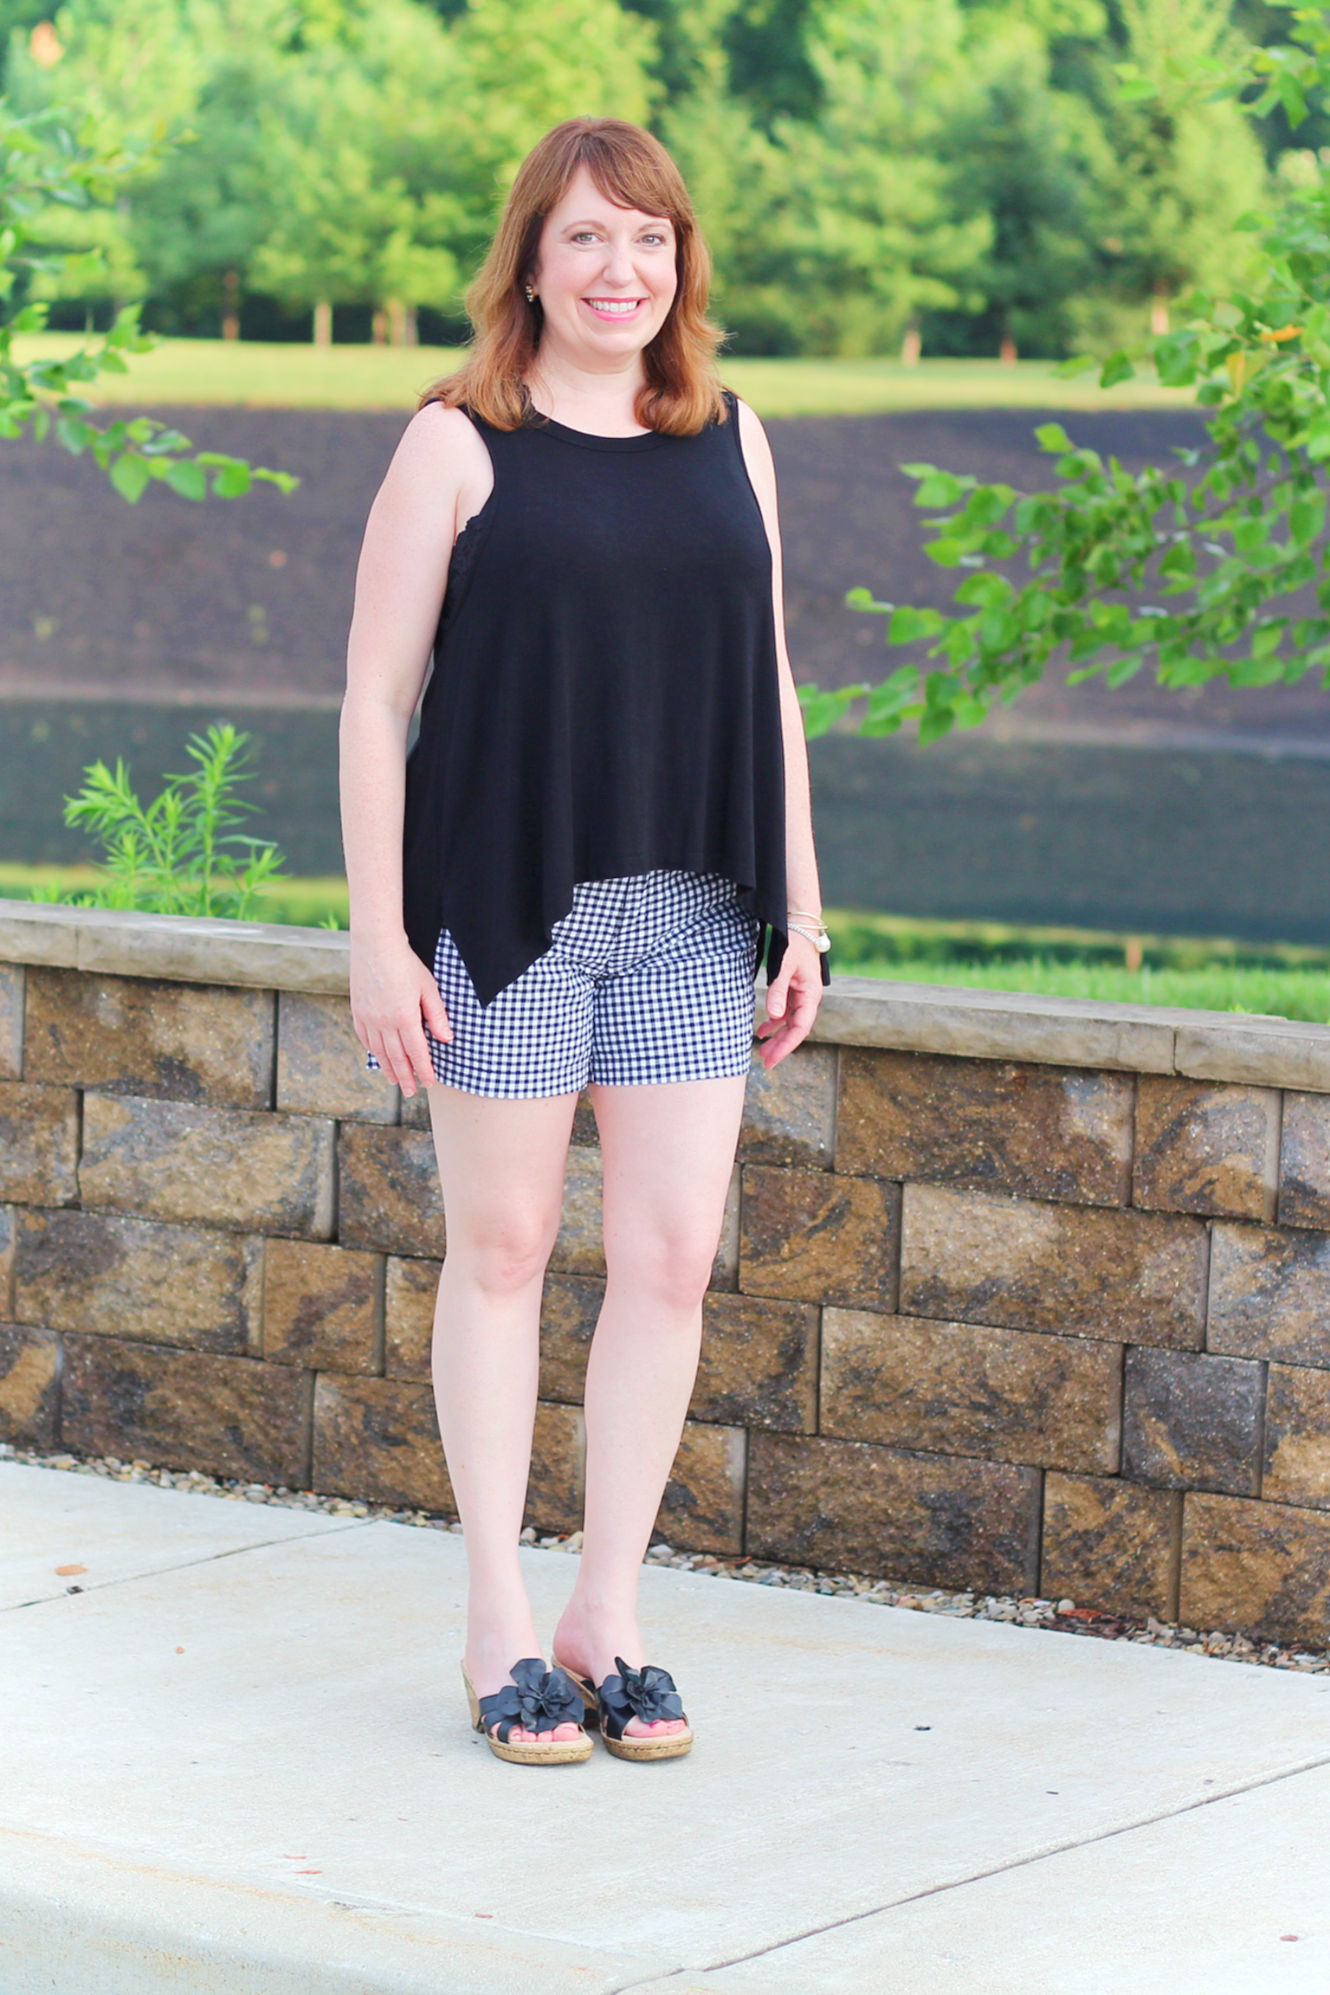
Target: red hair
{"points": [[682, 392]]}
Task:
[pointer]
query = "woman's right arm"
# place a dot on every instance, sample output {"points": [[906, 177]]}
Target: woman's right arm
{"points": [[400, 583]]}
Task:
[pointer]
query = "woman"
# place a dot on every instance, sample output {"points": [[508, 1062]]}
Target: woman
{"points": [[568, 882]]}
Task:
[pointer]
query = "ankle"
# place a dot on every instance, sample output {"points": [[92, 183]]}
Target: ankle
{"points": [[591, 1645]]}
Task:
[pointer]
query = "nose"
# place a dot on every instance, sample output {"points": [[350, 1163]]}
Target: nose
{"points": [[619, 269]]}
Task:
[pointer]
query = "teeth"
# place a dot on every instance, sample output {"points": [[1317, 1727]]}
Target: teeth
{"points": [[621, 306]]}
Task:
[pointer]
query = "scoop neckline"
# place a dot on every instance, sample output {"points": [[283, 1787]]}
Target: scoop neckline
{"points": [[646, 439]]}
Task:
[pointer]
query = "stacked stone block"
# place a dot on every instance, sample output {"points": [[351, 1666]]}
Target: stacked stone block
{"points": [[1005, 1324]]}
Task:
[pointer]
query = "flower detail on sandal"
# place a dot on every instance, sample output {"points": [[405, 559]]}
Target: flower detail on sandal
{"points": [[647, 1693], [536, 1700]]}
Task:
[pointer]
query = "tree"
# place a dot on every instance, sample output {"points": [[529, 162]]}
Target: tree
{"points": [[1219, 544], [1031, 157], [832, 234], [43, 165], [197, 228], [1186, 167]]}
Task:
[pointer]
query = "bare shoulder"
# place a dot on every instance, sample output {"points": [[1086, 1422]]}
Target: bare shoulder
{"points": [[757, 452], [439, 442], [440, 468]]}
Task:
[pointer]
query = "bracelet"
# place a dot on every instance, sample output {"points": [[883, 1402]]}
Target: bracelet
{"points": [[820, 940]]}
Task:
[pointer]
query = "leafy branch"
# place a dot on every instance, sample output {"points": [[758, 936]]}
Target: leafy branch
{"points": [[1220, 543], [44, 166]]}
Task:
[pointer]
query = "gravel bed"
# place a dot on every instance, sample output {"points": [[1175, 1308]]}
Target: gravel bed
{"points": [[1026, 1610]]}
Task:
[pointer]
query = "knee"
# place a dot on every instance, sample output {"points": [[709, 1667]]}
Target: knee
{"points": [[505, 1255], [676, 1270]]}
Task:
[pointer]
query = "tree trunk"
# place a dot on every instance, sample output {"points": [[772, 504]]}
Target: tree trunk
{"points": [[378, 327], [231, 304], [1007, 351], [401, 323], [1159, 312], [911, 346], [323, 323]]}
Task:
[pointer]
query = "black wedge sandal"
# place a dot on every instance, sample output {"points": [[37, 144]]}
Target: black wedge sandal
{"points": [[536, 1700], [647, 1693]]}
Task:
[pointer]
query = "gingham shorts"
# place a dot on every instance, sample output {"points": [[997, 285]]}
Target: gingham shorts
{"points": [[648, 977]]}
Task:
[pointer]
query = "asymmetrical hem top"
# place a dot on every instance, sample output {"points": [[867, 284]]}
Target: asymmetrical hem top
{"points": [[604, 695]]}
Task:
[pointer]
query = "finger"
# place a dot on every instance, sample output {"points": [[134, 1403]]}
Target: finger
{"points": [[396, 1062], [436, 1015], [776, 997], [418, 1054]]}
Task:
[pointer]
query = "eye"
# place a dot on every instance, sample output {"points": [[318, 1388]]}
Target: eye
{"points": [[655, 235], [579, 233]]}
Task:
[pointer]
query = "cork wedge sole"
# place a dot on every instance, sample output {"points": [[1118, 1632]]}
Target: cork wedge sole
{"points": [[672, 1745], [524, 1752]]}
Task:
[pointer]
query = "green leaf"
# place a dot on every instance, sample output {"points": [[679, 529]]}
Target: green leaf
{"points": [[1117, 368], [1251, 536], [1175, 359], [1080, 363], [1052, 436], [940, 489], [73, 433], [1121, 670], [232, 481], [190, 480], [911, 626], [1292, 99], [863, 599], [1306, 517], [985, 590], [130, 474], [1136, 90]]}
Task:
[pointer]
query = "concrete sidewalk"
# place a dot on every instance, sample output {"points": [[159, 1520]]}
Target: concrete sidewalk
{"points": [[239, 1763]]}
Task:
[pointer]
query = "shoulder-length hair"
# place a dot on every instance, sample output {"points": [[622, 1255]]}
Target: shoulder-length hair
{"points": [[682, 390]]}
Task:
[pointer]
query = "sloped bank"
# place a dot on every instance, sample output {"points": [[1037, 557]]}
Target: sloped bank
{"points": [[1018, 1294]]}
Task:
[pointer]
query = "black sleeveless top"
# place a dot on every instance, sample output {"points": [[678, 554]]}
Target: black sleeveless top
{"points": [[604, 696]]}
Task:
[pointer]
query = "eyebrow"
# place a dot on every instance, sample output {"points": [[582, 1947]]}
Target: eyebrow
{"points": [[654, 222]]}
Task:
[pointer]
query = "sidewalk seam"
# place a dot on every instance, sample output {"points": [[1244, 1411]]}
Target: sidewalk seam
{"points": [[187, 1565], [998, 1869]]}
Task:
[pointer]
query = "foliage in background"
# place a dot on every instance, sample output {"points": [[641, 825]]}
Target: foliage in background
{"points": [[45, 167], [952, 171], [1216, 565], [181, 853]]}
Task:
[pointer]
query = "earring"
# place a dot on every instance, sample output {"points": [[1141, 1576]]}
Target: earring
{"points": [[530, 295]]}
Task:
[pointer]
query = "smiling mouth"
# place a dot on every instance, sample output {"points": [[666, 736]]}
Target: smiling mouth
{"points": [[614, 308]]}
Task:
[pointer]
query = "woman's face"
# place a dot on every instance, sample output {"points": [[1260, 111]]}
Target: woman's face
{"points": [[605, 275]]}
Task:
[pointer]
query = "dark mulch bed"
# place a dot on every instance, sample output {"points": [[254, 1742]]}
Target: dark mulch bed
{"points": [[254, 595]]}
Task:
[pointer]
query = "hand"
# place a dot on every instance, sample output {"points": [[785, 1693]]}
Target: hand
{"points": [[391, 990], [792, 1000]]}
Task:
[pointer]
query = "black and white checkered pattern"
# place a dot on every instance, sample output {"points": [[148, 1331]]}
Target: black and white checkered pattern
{"points": [[648, 977]]}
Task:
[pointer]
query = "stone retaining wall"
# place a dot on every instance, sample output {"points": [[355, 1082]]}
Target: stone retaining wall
{"points": [[1017, 1294]]}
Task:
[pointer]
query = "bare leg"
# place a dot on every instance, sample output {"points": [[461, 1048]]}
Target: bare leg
{"points": [[668, 1154], [501, 1167]]}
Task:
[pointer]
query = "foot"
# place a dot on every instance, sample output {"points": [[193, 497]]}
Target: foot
{"points": [[490, 1655], [590, 1646]]}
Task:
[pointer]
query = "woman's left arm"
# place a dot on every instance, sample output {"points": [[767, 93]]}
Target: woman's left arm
{"points": [[795, 992]]}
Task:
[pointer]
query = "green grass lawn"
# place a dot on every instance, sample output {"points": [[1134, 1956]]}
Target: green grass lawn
{"points": [[1205, 975], [258, 375]]}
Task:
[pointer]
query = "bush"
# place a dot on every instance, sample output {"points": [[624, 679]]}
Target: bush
{"points": [[179, 854]]}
